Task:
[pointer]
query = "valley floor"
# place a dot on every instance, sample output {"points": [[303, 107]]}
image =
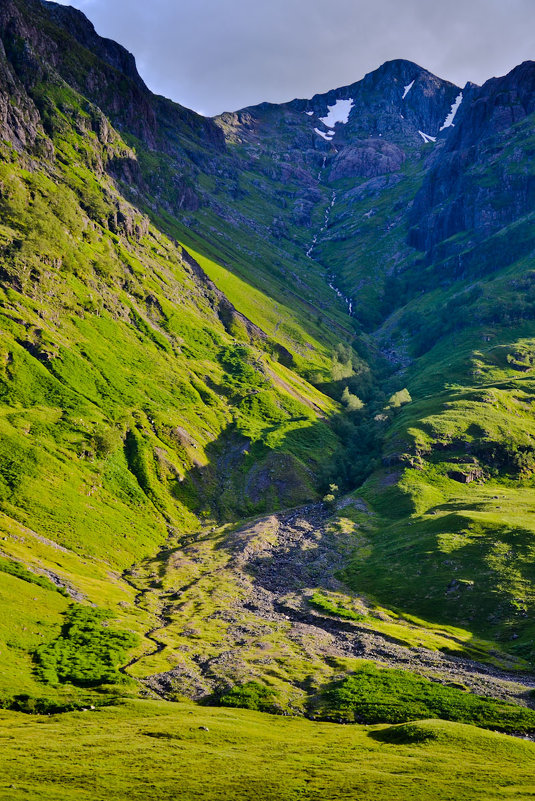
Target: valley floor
{"points": [[157, 750]]}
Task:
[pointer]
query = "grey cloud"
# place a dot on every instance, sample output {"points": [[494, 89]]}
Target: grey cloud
{"points": [[216, 55]]}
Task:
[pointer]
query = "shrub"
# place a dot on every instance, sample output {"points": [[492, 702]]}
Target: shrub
{"points": [[399, 399], [352, 402], [105, 441], [244, 372], [32, 705], [330, 497]]}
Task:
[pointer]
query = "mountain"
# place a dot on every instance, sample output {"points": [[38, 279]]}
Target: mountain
{"points": [[266, 390]]}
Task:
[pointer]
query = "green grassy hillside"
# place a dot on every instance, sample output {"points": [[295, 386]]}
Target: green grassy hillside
{"points": [[454, 534]]}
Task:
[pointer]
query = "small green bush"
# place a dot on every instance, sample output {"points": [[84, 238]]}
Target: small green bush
{"points": [[352, 402], [244, 373], [105, 441], [399, 399]]}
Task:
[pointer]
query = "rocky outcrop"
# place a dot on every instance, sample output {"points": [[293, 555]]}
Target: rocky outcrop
{"points": [[494, 107], [367, 159], [372, 188], [385, 106], [19, 118]]}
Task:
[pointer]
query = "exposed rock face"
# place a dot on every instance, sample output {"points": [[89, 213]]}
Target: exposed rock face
{"points": [[394, 116], [367, 159], [372, 188], [495, 107], [487, 134], [467, 476], [81, 29], [19, 118]]}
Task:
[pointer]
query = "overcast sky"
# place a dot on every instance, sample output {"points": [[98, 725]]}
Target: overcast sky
{"points": [[217, 55]]}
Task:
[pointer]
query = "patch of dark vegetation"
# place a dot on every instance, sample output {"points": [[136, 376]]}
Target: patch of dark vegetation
{"points": [[406, 734], [244, 373], [32, 705], [162, 735], [88, 651], [18, 570], [251, 695], [376, 695]]}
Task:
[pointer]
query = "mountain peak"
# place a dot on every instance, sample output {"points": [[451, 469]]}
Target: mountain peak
{"points": [[399, 67], [82, 29]]}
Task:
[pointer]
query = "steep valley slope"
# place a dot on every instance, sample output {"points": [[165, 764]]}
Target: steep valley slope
{"points": [[266, 384]]}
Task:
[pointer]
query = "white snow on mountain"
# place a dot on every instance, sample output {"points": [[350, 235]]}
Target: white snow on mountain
{"points": [[338, 113], [407, 89], [327, 136], [453, 111], [310, 113], [427, 137]]}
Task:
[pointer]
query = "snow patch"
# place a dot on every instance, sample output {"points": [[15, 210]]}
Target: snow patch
{"points": [[310, 113], [448, 122], [407, 89], [338, 113], [327, 136], [427, 137]]}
